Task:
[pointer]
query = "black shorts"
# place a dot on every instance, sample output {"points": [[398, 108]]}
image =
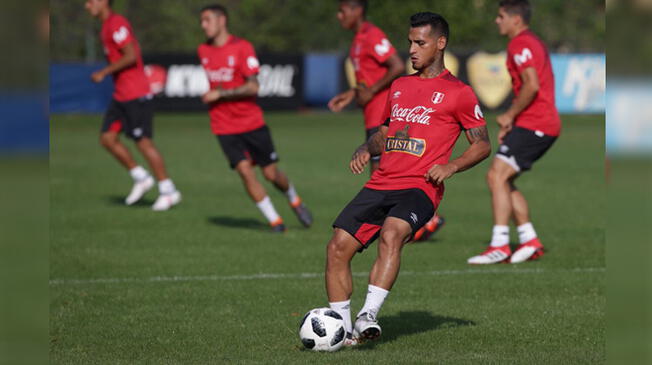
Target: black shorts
{"points": [[255, 146], [371, 132], [364, 215], [134, 117], [522, 147]]}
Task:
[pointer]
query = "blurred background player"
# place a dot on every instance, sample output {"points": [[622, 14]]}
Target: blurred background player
{"points": [[527, 130], [405, 191], [376, 64], [131, 108], [231, 67]]}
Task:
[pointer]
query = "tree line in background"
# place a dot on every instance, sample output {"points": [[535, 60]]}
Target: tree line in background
{"points": [[297, 26]]}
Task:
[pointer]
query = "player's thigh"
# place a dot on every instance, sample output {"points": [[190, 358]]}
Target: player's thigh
{"points": [[502, 169], [522, 147], [363, 217], [261, 146], [113, 120], [234, 148], [139, 116], [413, 207]]}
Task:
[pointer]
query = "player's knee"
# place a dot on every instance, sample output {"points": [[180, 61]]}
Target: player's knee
{"points": [[107, 140], [270, 174], [495, 177], [336, 250], [391, 239]]}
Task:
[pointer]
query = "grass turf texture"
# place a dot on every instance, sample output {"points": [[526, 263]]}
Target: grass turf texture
{"points": [[192, 285]]}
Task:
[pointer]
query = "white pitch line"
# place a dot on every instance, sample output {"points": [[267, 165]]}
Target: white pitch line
{"points": [[163, 279]]}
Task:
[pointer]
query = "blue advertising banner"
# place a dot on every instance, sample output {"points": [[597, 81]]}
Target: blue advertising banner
{"points": [[580, 82], [629, 112]]}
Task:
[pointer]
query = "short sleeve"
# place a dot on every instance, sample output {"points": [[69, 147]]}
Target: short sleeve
{"points": [[381, 48], [468, 112], [523, 54], [249, 64], [121, 33]]}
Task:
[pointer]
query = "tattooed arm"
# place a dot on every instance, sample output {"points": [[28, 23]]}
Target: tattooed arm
{"points": [[479, 149], [373, 147], [248, 89]]}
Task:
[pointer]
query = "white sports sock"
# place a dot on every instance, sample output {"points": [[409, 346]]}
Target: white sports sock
{"points": [[344, 310], [526, 232], [166, 187], [292, 195], [138, 173], [267, 208], [500, 236], [375, 298]]}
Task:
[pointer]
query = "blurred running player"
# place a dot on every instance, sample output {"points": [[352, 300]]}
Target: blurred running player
{"points": [[131, 109], [424, 115], [231, 67], [376, 64], [527, 130]]}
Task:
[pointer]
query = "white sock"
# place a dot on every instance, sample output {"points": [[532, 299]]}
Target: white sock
{"points": [[267, 208], [166, 187], [375, 298], [500, 236], [526, 232], [292, 195], [344, 310], [138, 173]]}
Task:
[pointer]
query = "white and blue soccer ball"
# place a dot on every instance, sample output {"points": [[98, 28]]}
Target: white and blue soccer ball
{"points": [[322, 329]]}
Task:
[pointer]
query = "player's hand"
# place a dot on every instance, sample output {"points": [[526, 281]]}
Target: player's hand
{"points": [[98, 76], [211, 96], [363, 95], [360, 158], [438, 173], [502, 133], [340, 101], [505, 120]]}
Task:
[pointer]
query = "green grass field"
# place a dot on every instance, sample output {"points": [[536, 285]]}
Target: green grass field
{"points": [[206, 283]]}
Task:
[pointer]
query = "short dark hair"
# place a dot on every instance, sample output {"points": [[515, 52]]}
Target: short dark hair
{"points": [[110, 2], [216, 8], [436, 22], [362, 3], [517, 7]]}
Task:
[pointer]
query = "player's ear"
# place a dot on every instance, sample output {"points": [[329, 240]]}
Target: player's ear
{"points": [[442, 41]]}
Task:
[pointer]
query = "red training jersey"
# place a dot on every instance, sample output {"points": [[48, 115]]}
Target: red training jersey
{"points": [[527, 50], [228, 67], [369, 51], [426, 116], [131, 82]]}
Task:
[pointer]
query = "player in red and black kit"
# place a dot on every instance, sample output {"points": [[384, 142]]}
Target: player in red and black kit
{"points": [[130, 110], [527, 130], [231, 67], [424, 115], [376, 64]]}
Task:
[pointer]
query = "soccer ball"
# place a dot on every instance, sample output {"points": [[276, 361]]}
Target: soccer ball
{"points": [[322, 329]]}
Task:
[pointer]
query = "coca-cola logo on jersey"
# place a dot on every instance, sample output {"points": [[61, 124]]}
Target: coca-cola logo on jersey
{"points": [[224, 74], [418, 114]]}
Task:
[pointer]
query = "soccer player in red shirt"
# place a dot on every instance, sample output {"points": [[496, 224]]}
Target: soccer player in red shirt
{"points": [[376, 64], [130, 110], [527, 130], [424, 115], [231, 67]]}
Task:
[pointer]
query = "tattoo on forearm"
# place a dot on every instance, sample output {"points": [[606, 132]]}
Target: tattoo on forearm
{"points": [[478, 134], [376, 144], [238, 92]]}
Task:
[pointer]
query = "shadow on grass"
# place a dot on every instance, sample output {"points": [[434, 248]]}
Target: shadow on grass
{"points": [[120, 200], [409, 323], [235, 222]]}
